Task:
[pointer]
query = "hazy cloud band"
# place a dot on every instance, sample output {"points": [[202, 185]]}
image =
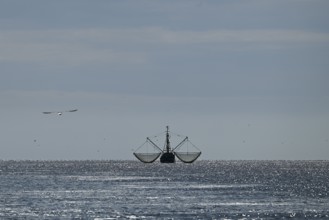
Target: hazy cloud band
{"points": [[87, 45]]}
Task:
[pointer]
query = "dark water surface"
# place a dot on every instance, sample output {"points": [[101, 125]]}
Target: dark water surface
{"points": [[133, 190]]}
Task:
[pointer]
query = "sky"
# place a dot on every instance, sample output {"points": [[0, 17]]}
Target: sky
{"points": [[244, 80]]}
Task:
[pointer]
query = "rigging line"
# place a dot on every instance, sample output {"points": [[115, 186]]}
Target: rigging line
{"points": [[149, 140], [181, 143], [153, 136], [141, 146], [179, 135], [193, 145]]}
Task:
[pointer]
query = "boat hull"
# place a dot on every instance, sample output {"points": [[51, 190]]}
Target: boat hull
{"points": [[167, 158]]}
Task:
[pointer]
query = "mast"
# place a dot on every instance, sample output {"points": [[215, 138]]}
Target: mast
{"points": [[167, 141], [167, 156]]}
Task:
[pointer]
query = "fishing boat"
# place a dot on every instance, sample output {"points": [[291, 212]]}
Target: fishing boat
{"points": [[149, 151]]}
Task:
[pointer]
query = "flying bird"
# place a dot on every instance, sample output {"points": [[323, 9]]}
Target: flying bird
{"points": [[60, 112]]}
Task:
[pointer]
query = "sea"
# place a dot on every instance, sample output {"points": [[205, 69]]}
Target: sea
{"points": [[134, 190]]}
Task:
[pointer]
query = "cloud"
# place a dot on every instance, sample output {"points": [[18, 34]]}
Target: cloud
{"points": [[237, 36], [61, 47], [64, 53], [78, 46]]}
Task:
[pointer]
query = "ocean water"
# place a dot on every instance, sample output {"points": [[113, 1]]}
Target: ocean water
{"points": [[133, 190]]}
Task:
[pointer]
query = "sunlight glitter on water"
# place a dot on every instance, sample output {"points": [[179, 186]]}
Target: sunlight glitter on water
{"points": [[128, 190]]}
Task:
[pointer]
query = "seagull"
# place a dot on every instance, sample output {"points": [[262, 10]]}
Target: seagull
{"points": [[60, 112]]}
